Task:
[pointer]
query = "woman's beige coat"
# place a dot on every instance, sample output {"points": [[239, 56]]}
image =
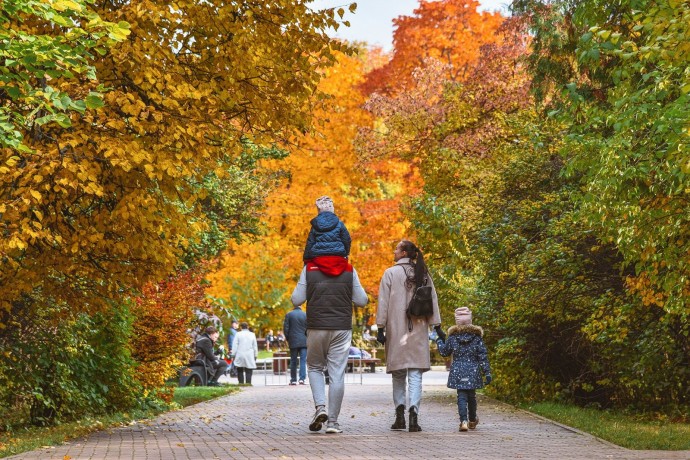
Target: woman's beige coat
{"points": [[404, 349]]}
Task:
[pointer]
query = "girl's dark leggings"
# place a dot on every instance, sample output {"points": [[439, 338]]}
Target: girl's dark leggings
{"points": [[467, 401]]}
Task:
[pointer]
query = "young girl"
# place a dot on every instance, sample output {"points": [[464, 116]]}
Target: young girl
{"points": [[465, 342]]}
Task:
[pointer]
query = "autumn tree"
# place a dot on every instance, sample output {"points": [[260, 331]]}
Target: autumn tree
{"points": [[33, 58], [110, 193], [318, 164], [111, 202], [619, 83], [162, 315], [434, 46], [507, 208], [449, 31], [625, 92]]}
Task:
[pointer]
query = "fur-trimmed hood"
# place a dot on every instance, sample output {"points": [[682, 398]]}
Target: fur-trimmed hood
{"points": [[466, 328]]}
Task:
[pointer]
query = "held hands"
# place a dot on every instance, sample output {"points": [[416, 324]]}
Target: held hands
{"points": [[380, 336], [488, 379], [440, 333]]}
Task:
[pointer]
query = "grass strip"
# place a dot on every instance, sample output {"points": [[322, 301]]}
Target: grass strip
{"points": [[638, 432], [30, 438]]}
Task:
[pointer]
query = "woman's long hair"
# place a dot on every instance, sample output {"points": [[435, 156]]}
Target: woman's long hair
{"points": [[417, 258]]}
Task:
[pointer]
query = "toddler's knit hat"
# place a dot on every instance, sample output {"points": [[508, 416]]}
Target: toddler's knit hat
{"points": [[463, 316], [324, 203]]}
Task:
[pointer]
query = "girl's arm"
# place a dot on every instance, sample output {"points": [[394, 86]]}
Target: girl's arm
{"points": [[444, 347], [483, 357]]}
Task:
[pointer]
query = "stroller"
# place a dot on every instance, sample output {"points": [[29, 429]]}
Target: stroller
{"points": [[232, 370]]}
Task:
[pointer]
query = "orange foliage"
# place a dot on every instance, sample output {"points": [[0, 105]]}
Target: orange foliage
{"points": [[451, 31], [322, 163], [163, 315]]}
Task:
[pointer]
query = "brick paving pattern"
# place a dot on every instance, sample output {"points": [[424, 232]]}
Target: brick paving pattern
{"points": [[271, 422]]}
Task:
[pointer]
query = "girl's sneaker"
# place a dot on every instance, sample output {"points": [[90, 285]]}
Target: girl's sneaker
{"points": [[473, 423], [463, 425]]}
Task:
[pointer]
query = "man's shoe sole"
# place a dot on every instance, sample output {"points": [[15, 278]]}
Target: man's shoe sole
{"points": [[318, 422], [333, 430]]}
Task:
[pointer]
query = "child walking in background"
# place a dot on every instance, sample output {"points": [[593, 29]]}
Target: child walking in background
{"points": [[470, 361], [328, 235]]}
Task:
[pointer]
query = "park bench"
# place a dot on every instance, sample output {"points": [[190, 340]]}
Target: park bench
{"points": [[370, 363]]}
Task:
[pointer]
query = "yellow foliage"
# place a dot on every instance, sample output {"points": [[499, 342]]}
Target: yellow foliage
{"points": [[93, 212]]}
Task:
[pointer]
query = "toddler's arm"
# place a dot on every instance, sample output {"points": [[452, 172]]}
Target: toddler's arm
{"points": [[345, 237], [311, 239]]}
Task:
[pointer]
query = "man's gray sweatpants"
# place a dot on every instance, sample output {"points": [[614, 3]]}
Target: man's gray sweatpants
{"points": [[328, 350]]}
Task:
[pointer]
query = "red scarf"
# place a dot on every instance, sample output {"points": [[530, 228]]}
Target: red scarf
{"points": [[329, 265]]}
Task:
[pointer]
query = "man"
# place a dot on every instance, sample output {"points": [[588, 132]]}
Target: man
{"points": [[204, 349], [367, 337], [269, 340], [406, 339], [231, 334], [231, 337], [280, 339], [330, 286], [295, 327]]}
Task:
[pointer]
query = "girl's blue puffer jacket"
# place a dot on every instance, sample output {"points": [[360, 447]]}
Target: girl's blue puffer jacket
{"points": [[470, 358]]}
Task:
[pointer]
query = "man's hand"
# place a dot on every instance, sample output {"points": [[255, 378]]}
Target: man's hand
{"points": [[488, 379], [380, 336], [440, 333]]}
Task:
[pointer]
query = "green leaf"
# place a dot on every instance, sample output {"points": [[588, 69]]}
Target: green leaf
{"points": [[13, 91], [94, 101], [63, 120]]}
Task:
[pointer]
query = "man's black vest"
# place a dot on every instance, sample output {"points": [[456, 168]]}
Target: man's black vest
{"points": [[329, 300]]}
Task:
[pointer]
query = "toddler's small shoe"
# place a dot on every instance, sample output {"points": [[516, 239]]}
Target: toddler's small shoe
{"points": [[473, 423], [463, 425]]}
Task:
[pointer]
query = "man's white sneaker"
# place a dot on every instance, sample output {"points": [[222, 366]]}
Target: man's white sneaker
{"points": [[333, 428]]}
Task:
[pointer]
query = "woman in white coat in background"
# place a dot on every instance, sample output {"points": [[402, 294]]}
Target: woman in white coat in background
{"points": [[245, 351]]}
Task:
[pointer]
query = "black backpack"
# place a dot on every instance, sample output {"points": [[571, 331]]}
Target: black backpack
{"points": [[421, 305]]}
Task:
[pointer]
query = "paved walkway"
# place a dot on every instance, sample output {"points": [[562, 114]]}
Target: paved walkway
{"points": [[271, 422]]}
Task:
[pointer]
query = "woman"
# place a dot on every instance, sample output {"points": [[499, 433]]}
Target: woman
{"points": [[406, 339], [244, 352]]}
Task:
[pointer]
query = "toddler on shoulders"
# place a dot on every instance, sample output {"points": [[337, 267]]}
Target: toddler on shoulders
{"points": [[328, 235]]}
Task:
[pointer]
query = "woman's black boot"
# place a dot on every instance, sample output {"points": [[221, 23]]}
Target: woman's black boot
{"points": [[414, 426], [399, 418]]}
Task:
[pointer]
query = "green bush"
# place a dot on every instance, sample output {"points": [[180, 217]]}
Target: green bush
{"points": [[58, 365]]}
